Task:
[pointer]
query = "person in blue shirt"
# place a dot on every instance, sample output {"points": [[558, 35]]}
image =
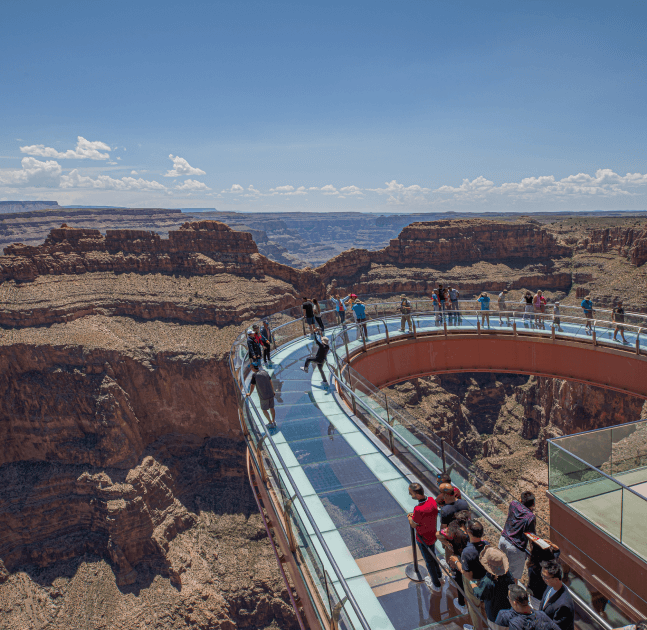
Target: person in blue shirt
{"points": [[485, 308], [587, 307], [340, 307], [360, 314]]}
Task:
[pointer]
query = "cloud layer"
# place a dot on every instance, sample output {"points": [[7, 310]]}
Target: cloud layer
{"points": [[182, 168], [85, 150]]}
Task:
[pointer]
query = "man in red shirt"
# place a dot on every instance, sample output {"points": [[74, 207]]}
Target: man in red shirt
{"points": [[424, 519]]}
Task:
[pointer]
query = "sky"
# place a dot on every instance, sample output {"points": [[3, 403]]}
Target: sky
{"points": [[402, 106]]}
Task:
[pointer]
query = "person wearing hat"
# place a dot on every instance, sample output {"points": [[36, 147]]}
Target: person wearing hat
{"points": [[253, 345], [618, 316], [587, 307], [503, 306], [492, 590], [320, 358], [405, 309], [484, 299], [360, 313]]}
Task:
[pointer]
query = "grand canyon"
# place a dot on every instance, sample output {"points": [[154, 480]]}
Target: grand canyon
{"points": [[124, 500]]}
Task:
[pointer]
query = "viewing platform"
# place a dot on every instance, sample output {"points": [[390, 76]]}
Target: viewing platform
{"points": [[332, 476]]}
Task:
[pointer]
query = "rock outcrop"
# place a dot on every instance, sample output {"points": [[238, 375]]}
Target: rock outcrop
{"points": [[628, 242], [475, 254]]}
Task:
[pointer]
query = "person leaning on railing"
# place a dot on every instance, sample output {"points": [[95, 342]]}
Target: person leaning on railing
{"points": [[513, 541], [587, 307]]}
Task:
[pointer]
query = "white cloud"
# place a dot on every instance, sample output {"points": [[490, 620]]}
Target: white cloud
{"points": [[182, 168], [329, 189], [192, 184], [399, 194], [33, 173], [134, 173], [281, 189], [605, 183], [351, 190], [76, 180], [85, 149], [235, 189]]}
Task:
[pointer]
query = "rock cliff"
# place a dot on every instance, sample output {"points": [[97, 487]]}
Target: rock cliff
{"points": [[476, 255]]}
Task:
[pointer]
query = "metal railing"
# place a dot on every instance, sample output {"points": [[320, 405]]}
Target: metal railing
{"points": [[288, 326], [289, 499]]}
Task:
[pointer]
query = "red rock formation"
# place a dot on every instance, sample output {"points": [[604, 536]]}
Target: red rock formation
{"points": [[197, 248], [453, 246], [629, 242]]}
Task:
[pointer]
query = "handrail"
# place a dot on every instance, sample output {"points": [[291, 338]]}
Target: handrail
{"points": [[322, 542], [592, 467], [492, 522]]}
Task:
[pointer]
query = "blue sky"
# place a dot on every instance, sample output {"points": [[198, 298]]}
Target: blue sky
{"points": [[374, 106]]}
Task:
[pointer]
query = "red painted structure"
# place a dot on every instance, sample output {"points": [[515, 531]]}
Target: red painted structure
{"points": [[621, 369]]}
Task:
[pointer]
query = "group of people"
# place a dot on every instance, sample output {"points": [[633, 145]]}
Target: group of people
{"points": [[488, 577]]}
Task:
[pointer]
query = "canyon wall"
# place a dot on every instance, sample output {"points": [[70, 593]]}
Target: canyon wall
{"points": [[628, 242]]}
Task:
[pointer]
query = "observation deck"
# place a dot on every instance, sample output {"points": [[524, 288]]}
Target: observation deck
{"points": [[332, 477]]}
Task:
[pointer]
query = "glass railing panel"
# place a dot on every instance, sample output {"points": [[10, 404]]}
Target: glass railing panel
{"points": [[629, 449], [634, 516], [593, 447]]}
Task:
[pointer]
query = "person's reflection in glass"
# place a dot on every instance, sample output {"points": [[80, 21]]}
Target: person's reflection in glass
{"points": [[331, 431]]}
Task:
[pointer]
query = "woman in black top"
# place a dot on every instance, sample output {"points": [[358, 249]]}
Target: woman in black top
{"points": [[619, 318]]}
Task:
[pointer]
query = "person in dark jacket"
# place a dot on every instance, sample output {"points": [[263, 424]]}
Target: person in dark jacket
{"points": [[320, 357], [266, 337], [521, 616], [536, 584], [492, 590], [513, 539], [253, 346], [557, 602]]}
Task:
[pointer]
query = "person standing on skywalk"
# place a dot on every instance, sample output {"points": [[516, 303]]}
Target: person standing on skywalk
{"points": [[320, 358]]}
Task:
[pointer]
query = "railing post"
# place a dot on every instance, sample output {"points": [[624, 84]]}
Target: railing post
{"points": [[261, 463], [414, 572], [442, 454], [638, 341], [478, 324], [364, 341], [336, 613], [303, 322], [386, 330], [413, 322], [552, 332], [622, 503], [288, 527], [594, 337], [514, 328]]}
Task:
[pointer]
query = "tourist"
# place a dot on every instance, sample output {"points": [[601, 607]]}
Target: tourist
{"points": [[557, 320], [618, 316], [308, 310], [323, 348], [253, 346], [340, 307], [503, 307], [537, 555], [435, 304], [513, 541], [423, 520], [266, 338], [317, 313], [539, 306], [262, 381], [484, 299], [405, 310], [442, 300], [453, 296], [587, 307], [492, 590], [454, 540], [521, 616], [445, 478], [360, 314], [557, 601], [452, 504], [528, 307], [473, 571]]}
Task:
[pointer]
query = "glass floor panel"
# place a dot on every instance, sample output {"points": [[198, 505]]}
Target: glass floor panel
{"points": [[360, 505], [298, 412], [370, 539], [339, 474], [304, 429], [321, 449]]}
